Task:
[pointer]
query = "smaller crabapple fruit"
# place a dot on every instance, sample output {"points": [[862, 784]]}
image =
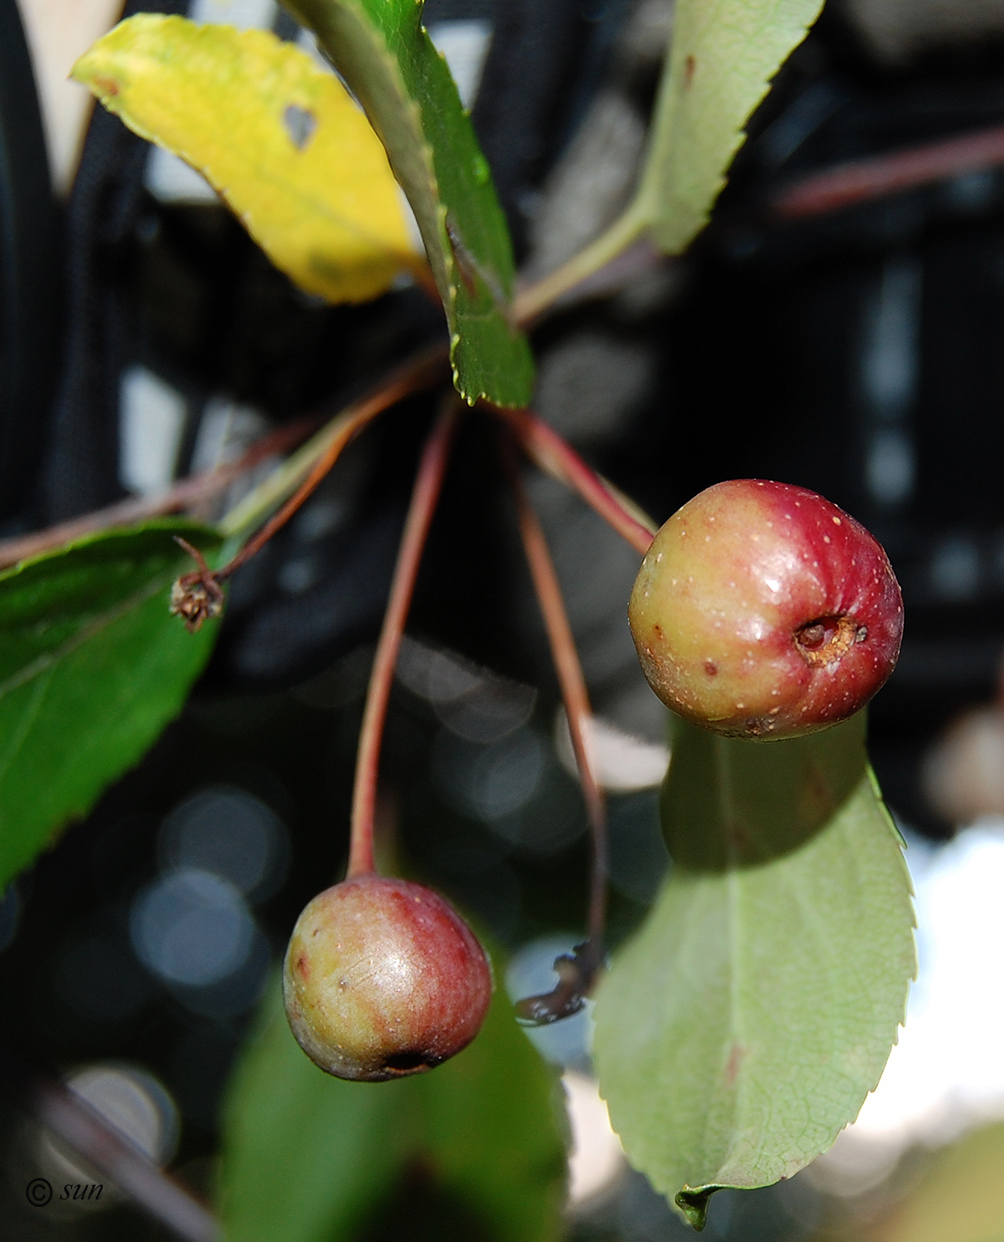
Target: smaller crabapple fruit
{"points": [[382, 978], [762, 610]]}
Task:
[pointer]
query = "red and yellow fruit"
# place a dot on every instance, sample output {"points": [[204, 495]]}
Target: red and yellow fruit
{"points": [[763, 611], [383, 978]]}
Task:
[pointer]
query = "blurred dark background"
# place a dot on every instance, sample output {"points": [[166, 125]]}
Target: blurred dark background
{"points": [[855, 350]]}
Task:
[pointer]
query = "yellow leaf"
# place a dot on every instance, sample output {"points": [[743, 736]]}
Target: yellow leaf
{"points": [[279, 138]]}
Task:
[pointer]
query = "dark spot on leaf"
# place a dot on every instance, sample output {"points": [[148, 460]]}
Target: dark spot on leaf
{"points": [[107, 86], [689, 69], [466, 264], [303, 966], [711, 668], [736, 1057], [300, 124], [738, 838]]}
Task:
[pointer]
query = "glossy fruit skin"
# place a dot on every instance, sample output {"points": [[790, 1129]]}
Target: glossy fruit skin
{"points": [[763, 611], [382, 978]]}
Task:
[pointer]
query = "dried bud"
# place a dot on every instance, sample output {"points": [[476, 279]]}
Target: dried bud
{"points": [[196, 601]]}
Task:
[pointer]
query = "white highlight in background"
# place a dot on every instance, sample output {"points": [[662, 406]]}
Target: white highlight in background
{"points": [[464, 45], [151, 423], [596, 1160], [946, 1075]]}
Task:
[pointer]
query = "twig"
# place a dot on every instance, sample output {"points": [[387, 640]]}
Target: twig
{"points": [[428, 483], [857, 181], [197, 595], [317, 458], [180, 495], [576, 974], [87, 1132], [96, 1140], [557, 458], [419, 370]]}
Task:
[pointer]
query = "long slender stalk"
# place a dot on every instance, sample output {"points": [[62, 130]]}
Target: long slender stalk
{"points": [[557, 457], [534, 299], [180, 495], [77, 1123], [306, 469], [573, 692], [428, 484], [858, 181], [84, 1129]]}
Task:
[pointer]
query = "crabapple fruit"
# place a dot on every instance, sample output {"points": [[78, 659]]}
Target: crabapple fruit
{"points": [[762, 610], [382, 978]]}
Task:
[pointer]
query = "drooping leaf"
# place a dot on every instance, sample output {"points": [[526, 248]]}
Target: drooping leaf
{"points": [[722, 58], [306, 1157], [277, 136], [744, 1025], [384, 53], [488, 1129], [92, 667], [310, 1158]]}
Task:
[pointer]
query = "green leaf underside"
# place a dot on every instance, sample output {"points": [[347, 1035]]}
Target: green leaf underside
{"points": [[92, 667], [310, 1158], [743, 1027], [723, 56], [388, 60]]}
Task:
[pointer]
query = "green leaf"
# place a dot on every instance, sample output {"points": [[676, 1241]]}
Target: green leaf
{"points": [[92, 667], [744, 1025], [306, 1157], [723, 56], [489, 1130], [309, 1158], [385, 55], [278, 137]]}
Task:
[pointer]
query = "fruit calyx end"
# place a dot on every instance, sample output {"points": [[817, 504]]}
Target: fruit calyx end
{"points": [[826, 639]]}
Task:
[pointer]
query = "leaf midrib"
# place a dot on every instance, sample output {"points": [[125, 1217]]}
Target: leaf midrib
{"points": [[85, 632]]}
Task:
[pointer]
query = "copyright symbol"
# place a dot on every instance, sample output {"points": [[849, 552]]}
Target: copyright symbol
{"points": [[39, 1192]]}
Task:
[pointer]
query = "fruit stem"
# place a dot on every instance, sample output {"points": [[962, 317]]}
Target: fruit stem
{"points": [[183, 494], [573, 692], [424, 496], [305, 470], [557, 458]]}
